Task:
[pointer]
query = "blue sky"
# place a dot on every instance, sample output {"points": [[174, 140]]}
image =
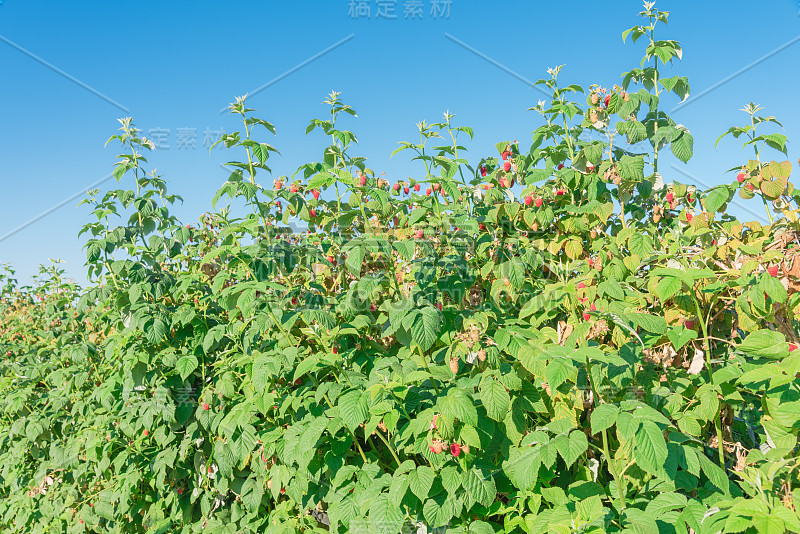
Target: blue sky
{"points": [[174, 65]]}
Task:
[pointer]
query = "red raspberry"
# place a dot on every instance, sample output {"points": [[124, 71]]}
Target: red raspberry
{"points": [[589, 166], [773, 271], [416, 188], [439, 306], [331, 259], [580, 285], [560, 166], [315, 193], [750, 187], [505, 155], [428, 191], [455, 449], [312, 212], [396, 187], [146, 432], [528, 200], [586, 316], [363, 180], [741, 177], [206, 406], [560, 192], [335, 350], [593, 307], [538, 202], [293, 189], [670, 196], [689, 217], [483, 171], [792, 347], [420, 234], [607, 100], [689, 324], [406, 190], [507, 166]]}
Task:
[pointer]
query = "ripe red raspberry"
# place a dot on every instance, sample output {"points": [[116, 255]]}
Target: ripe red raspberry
{"points": [[416, 188], [406, 190], [507, 166], [146, 432], [590, 167], [741, 177], [560, 166], [331, 259], [560, 192], [312, 212], [428, 191], [293, 189], [335, 350], [792, 347], [483, 171], [528, 200], [315, 194], [773, 271], [205, 406], [435, 187], [505, 155], [363, 180], [593, 307], [439, 306], [580, 285], [538, 202], [420, 234], [396, 187], [670, 196], [607, 100], [455, 449], [689, 217], [689, 324], [586, 316]]}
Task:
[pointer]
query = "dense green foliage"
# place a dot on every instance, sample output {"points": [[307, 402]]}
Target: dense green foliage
{"points": [[550, 340]]}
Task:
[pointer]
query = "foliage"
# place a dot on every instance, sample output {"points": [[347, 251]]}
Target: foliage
{"points": [[553, 340]]}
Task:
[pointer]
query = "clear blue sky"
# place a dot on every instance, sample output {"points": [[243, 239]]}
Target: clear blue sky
{"points": [[175, 64]]}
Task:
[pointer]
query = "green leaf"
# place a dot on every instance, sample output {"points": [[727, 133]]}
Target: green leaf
{"points": [[603, 417], [420, 481], [385, 517], [651, 448], [186, 365], [495, 399], [765, 344], [252, 493], [353, 408], [683, 146], [426, 326], [480, 486]]}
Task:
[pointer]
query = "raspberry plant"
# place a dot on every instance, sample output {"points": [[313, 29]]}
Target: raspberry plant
{"points": [[551, 340]]}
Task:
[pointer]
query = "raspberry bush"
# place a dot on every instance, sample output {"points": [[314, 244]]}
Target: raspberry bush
{"points": [[550, 339]]}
